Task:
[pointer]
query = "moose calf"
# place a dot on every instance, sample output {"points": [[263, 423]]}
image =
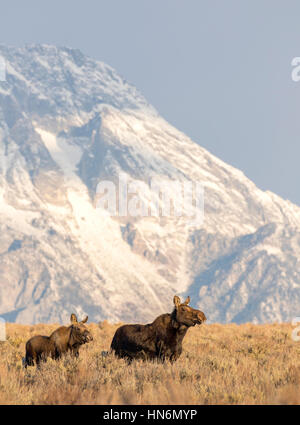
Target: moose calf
{"points": [[161, 339], [59, 342]]}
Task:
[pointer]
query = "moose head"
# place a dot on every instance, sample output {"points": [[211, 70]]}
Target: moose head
{"points": [[79, 332], [183, 314]]}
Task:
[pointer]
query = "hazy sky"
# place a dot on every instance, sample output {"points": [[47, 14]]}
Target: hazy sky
{"points": [[218, 70]]}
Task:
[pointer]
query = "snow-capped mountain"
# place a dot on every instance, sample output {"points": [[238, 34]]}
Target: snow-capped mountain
{"points": [[67, 122]]}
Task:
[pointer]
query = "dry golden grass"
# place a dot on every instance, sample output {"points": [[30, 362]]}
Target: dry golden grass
{"points": [[220, 364]]}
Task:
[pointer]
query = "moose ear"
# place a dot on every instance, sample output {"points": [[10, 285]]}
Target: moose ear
{"points": [[176, 301], [85, 319], [187, 301], [73, 318]]}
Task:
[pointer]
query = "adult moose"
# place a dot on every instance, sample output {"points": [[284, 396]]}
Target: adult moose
{"points": [[161, 339], [63, 339]]}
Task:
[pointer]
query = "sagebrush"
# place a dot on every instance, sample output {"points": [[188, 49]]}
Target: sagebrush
{"points": [[220, 364]]}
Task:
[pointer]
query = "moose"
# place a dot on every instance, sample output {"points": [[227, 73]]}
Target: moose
{"points": [[63, 339], [161, 339]]}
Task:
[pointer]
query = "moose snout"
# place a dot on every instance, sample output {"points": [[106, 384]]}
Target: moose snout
{"points": [[201, 317], [89, 338]]}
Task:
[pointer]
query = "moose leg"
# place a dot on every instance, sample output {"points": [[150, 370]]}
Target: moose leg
{"points": [[44, 356], [123, 354], [57, 353], [75, 352], [38, 361], [28, 361], [161, 351], [175, 355]]}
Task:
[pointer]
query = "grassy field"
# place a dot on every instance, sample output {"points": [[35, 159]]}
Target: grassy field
{"points": [[220, 364]]}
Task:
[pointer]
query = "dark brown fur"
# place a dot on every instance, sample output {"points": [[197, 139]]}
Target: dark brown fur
{"points": [[38, 348], [161, 339], [63, 339]]}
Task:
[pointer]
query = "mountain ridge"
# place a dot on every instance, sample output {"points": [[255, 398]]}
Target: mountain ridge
{"points": [[67, 122]]}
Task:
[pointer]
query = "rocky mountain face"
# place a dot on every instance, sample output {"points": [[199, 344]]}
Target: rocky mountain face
{"points": [[68, 122]]}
